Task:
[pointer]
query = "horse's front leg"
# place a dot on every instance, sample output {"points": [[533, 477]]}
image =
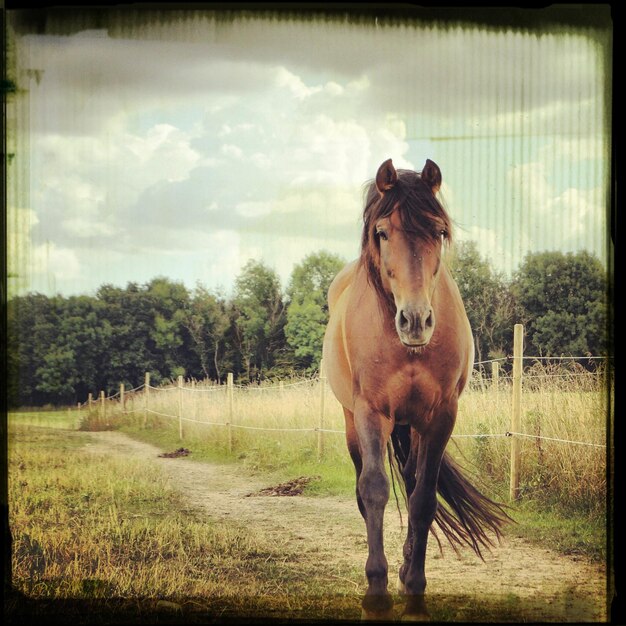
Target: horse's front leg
{"points": [[408, 475], [373, 431], [422, 510]]}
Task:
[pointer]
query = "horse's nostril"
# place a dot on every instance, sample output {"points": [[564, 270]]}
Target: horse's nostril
{"points": [[404, 321], [429, 320]]}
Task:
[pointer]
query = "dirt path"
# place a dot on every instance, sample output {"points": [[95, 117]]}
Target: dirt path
{"points": [[555, 588]]}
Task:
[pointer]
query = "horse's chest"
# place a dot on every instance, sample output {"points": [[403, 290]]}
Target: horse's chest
{"points": [[413, 405], [411, 395]]}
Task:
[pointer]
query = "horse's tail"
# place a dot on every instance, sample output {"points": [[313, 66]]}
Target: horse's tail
{"points": [[470, 515], [464, 514]]}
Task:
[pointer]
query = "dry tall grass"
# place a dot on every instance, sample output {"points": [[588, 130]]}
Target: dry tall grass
{"points": [[565, 417], [89, 525]]}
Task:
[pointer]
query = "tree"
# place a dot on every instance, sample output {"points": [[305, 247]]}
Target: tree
{"points": [[170, 300], [127, 319], [207, 322], [307, 312], [70, 367], [563, 303], [258, 312], [30, 328], [488, 301]]}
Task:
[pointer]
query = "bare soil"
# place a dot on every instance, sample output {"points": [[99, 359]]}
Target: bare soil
{"points": [[535, 582]]}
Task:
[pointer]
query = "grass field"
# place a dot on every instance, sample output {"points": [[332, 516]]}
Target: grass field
{"points": [[272, 428], [91, 528], [95, 527], [562, 477]]}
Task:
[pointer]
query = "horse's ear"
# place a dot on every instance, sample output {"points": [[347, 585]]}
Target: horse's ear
{"points": [[386, 176], [431, 175]]}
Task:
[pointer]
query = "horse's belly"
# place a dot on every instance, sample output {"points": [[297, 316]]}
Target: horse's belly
{"points": [[336, 365]]}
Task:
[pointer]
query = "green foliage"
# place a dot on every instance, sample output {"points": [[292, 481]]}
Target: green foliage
{"points": [[306, 323], [307, 314], [563, 303], [258, 317], [488, 301], [207, 322], [61, 349], [313, 276], [8, 86]]}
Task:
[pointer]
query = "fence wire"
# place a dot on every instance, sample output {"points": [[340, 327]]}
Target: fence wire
{"points": [[544, 438], [479, 379], [343, 432]]}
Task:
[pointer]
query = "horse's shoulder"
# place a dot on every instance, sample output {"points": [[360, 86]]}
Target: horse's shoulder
{"points": [[340, 283]]}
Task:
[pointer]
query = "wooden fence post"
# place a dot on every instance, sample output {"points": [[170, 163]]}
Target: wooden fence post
{"points": [[194, 400], [103, 410], [90, 400], [320, 433], [231, 411], [180, 407], [122, 398], [146, 392], [495, 375], [516, 409]]}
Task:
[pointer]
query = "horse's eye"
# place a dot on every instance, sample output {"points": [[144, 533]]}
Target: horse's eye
{"points": [[382, 234], [444, 233]]}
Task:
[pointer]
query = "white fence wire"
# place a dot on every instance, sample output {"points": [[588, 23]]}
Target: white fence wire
{"points": [[150, 392]]}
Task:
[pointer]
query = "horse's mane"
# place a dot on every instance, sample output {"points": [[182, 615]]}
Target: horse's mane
{"points": [[420, 213]]}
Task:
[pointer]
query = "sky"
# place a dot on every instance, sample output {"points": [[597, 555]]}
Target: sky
{"points": [[186, 146]]}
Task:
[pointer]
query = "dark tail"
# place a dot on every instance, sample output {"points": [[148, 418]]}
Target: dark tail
{"points": [[464, 515]]}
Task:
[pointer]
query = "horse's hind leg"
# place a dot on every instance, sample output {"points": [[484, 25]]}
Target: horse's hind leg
{"points": [[373, 431]]}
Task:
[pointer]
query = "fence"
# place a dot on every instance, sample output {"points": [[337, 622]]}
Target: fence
{"points": [[222, 405]]}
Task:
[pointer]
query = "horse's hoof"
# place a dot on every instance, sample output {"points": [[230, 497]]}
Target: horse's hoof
{"points": [[415, 617], [401, 587], [377, 616], [415, 609], [377, 608]]}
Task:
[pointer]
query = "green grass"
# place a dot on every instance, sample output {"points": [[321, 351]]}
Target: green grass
{"points": [[93, 532], [563, 487], [545, 523], [573, 534], [69, 419], [274, 457], [89, 526]]}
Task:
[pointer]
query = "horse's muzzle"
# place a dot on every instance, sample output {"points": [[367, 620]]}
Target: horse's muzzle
{"points": [[415, 325]]}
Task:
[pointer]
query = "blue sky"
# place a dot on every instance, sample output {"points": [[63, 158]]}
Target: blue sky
{"points": [[186, 148]]}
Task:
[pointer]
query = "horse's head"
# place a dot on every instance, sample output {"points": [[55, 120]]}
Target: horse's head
{"points": [[405, 232]]}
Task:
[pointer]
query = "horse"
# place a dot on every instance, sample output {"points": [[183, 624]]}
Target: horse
{"points": [[398, 351]]}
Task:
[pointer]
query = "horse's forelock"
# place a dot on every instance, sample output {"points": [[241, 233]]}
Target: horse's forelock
{"points": [[420, 213]]}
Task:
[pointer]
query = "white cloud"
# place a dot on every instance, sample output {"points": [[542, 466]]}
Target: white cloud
{"points": [[582, 217], [253, 209], [571, 219], [212, 145], [294, 84], [529, 180], [232, 151], [53, 263], [574, 149], [493, 247]]}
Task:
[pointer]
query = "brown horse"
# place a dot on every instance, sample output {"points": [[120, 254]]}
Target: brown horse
{"points": [[398, 352]]}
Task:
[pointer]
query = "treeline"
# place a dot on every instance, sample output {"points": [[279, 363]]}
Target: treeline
{"points": [[62, 348]]}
